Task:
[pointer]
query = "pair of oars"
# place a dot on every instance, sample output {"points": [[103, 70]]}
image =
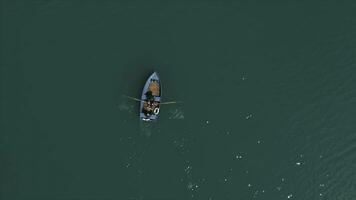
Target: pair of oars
{"points": [[163, 103]]}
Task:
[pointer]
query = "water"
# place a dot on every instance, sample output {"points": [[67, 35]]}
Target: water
{"points": [[268, 90]]}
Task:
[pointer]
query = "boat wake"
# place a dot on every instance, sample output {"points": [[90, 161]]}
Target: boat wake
{"points": [[177, 113], [146, 129]]}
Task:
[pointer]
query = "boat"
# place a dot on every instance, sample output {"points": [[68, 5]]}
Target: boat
{"points": [[150, 101], [151, 98]]}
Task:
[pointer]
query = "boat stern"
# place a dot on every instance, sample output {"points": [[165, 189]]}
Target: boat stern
{"points": [[149, 118]]}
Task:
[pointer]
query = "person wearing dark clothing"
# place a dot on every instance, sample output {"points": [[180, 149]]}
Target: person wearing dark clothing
{"points": [[149, 96]]}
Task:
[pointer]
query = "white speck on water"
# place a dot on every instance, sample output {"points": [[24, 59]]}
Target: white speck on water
{"points": [[243, 78], [238, 156], [207, 122], [225, 179], [249, 185], [258, 142], [128, 165], [298, 163], [289, 196], [321, 185], [283, 179], [248, 116]]}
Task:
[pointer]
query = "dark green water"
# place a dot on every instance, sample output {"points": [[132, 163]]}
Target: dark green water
{"points": [[269, 93]]}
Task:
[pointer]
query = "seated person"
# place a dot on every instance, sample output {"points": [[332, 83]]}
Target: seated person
{"points": [[148, 108], [149, 96]]}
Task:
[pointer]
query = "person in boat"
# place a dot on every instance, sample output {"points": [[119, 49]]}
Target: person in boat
{"points": [[149, 104], [149, 95], [146, 109], [149, 107]]}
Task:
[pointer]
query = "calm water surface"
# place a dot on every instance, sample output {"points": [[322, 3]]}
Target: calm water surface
{"points": [[268, 89]]}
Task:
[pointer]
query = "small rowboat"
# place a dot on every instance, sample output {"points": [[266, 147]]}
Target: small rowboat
{"points": [[151, 98]]}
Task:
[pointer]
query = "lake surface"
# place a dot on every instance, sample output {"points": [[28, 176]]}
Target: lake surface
{"points": [[269, 93]]}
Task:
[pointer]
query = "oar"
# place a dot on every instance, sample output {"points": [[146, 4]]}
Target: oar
{"points": [[171, 102], [133, 98], [164, 103]]}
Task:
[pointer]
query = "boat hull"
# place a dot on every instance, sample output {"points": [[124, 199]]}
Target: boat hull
{"points": [[151, 98]]}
